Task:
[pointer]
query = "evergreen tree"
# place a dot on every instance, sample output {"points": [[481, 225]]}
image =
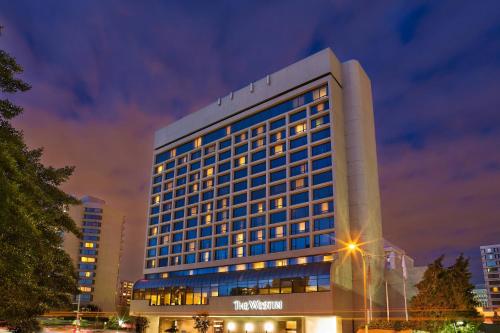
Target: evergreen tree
{"points": [[35, 272], [444, 296]]}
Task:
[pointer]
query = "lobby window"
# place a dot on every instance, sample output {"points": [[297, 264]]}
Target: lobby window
{"points": [[257, 249], [299, 243], [277, 246], [299, 128], [324, 239]]}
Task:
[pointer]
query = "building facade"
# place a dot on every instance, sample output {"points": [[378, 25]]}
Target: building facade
{"points": [[481, 296], [490, 258], [125, 293], [96, 255], [252, 200]]}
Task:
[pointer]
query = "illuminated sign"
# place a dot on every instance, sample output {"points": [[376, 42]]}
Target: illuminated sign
{"points": [[257, 305]]}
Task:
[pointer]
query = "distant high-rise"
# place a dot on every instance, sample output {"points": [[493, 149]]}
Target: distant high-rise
{"points": [[490, 258], [96, 255], [251, 198], [481, 295]]}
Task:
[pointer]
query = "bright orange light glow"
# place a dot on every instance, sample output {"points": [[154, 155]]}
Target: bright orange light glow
{"points": [[352, 246]]}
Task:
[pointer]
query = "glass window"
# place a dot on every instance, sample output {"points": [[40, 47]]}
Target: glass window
{"points": [[205, 244], [240, 161], [277, 246], [241, 149], [221, 229], [324, 239], [258, 143], [223, 190], [258, 221], [277, 162], [223, 178], [299, 183], [257, 235], [322, 148], [190, 258], [209, 160], [224, 166], [323, 207], [323, 177], [191, 234], [240, 186], [240, 173], [259, 130], [278, 203], [177, 237], [177, 248], [299, 227], [205, 256], [240, 137], [257, 249], [278, 123], [239, 199], [224, 155], [258, 194], [299, 142], [239, 211], [319, 108], [299, 155], [221, 254], [208, 195], [259, 168], [278, 136], [196, 154], [320, 121], [325, 133], [277, 217], [299, 243], [298, 115], [298, 213], [298, 170], [277, 232], [239, 225], [239, 238], [278, 189], [322, 163], [258, 207], [257, 181], [324, 223], [323, 192], [258, 155], [206, 231], [278, 175], [277, 149], [225, 143], [299, 128], [299, 198]]}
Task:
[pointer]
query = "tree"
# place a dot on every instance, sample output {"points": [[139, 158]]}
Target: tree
{"points": [[444, 296], [141, 323], [36, 274], [202, 323]]}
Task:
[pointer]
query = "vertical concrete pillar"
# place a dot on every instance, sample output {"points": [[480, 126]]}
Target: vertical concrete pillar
{"points": [[154, 324]]}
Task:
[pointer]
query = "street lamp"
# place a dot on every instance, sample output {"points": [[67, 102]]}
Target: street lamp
{"points": [[268, 327], [353, 247]]}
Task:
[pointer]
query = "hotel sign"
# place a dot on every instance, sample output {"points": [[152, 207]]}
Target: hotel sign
{"points": [[257, 305]]}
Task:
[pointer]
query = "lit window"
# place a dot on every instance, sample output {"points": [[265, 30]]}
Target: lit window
{"points": [[328, 258], [301, 226], [239, 252], [279, 232], [164, 275], [324, 207], [259, 265], [209, 172], [193, 211], [241, 267], [228, 130], [153, 263], [85, 289], [207, 219], [278, 149], [242, 160], [239, 238], [299, 128], [190, 247], [281, 263], [158, 169], [169, 185], [208, 183], [320, 107], [278, 203], [259, 130], [156, 199], [318, 122], [223, 228], [259, 235], [205, 256], [153, 231], [223, 269], [182, 160], [318, 93], [89, 245], [302, 260], [259, 142], [279, 135], [88, 274], [173, 153], [197, 142], [165, 239], [194, 188], [260, 207], [87, 259]]}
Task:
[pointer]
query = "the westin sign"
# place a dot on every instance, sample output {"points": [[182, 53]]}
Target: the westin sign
{"points": [[257, 305]]}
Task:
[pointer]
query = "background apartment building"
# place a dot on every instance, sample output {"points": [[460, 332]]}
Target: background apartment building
{"points": [[490, 258], [96, 255]]}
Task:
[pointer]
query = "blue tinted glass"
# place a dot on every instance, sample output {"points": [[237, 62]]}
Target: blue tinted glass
{"points": [[153, 220], [224, 166], [320, 121], [224, 155], [322, 208], [258, 221], [164, 250], [240, 211], [277, 246], [169, 175], [155, 210], [223, 191], [170, 165], [325, 133], [277, 189], [299, 198], [323, 192], [162, 157], [182, 170], [278, 175], [157, 189], [151, 253], [177, 248], [277, 217], [221, 254], [178, 225], [179, 203], [299, 142], [166, 217], [215, 135], [225, 143], [221, 241], [324, 239], [223, 178], [195, 165], [258, 168], [240, 198], [320, 107], [177, 237], [208, 195], [240, 186], [192, 222], [255, 156], [278, 123], [257, 249], [196, 154], [191, 234], [209, 160], [152, 242], [299, 228], [180, 181], [299, 243], [165, 228], [278, 162], [205, 244], [206, 231], [322, 163], [298, 169], [322, 148], [241, 149], [240, 173], [323, 223], [239, 225], [297, 116], [193, 199], [261, 180], [190, 258], [299, 155], [299, 213], [157, 179]]}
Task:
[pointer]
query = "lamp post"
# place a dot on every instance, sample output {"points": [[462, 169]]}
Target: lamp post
{"points": [[352, 247]]}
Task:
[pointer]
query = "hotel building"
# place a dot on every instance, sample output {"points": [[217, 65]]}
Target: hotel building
{"points": [[253, 199], [96, 255], [490, 258]]}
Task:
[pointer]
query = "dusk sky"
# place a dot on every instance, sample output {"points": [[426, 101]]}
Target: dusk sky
{"points": [[106, 74]]}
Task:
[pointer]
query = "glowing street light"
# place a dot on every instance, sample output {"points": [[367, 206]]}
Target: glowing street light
{"points": [[249, 327], [268, 327], [231, 327], [354, 247]]}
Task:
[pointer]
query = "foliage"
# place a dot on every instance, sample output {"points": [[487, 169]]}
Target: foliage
{"points": [[36, 272], [141, 323], [396, 325], [444, 296], [202, 323], [114, 322]]}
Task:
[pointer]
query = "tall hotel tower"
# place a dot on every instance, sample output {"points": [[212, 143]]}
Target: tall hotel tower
{"points": [[253, 199], [490, 258], [97, 254]]}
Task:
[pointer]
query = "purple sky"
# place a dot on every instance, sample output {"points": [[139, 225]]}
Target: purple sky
{"points": [[105, 75]]}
